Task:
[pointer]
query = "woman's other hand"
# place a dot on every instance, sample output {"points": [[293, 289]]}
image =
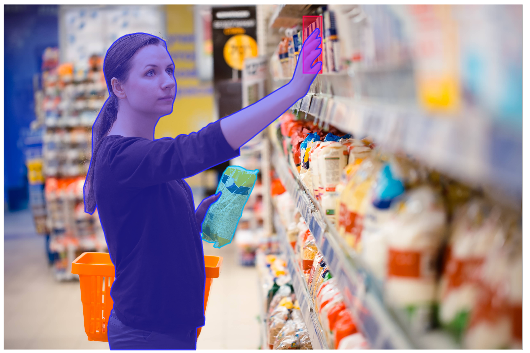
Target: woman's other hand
{"points": [[304, 73], [200, 213]]}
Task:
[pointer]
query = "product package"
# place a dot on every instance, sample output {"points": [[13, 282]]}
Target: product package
{"points": [[220, 222], [473, 236], [413, 253]]}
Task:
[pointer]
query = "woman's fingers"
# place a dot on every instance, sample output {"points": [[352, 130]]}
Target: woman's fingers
{"points": [[309, 47], [311, 57], [316, 69]]}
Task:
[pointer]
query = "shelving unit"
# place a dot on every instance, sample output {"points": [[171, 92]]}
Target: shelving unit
{"points": [[383, 327], [307, 307], [471, 147]]}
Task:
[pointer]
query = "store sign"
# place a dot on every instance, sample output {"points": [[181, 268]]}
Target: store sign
{"points": [[234, 40]]}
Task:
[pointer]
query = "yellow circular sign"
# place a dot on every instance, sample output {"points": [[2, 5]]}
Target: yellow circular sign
{"points": [[238, 48]]}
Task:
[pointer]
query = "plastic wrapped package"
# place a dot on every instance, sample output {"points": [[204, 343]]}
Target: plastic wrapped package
{"points": [[355, 341], [474, 234], [343, 327], [332, 159], [314, 268], [326, 295], [496, 319], [354, 200], [306, 179], [387, 188], [287, 331], [309, 251], [222, 218], [282, 292], [301, 330], [276, 322], [411, 282], [320, 277], [315, 169], [292, 234]]}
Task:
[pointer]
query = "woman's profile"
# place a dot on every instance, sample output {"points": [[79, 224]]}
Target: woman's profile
{"points": [[146, 209]]}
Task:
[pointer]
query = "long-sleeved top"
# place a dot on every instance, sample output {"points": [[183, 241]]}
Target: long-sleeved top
{"points": [[148, 217]]}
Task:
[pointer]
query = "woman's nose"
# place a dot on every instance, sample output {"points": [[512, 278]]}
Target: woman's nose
{"points": [[169, 82]]}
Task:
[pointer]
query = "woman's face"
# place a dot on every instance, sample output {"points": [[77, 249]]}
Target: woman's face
{"points": [[151, 85]]}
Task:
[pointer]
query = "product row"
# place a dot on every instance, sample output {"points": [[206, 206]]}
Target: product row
{"points": [[445, 57], [429, 242]]}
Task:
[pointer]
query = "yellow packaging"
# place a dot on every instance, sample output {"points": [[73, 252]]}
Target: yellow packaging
{"points": [[353, 202]]}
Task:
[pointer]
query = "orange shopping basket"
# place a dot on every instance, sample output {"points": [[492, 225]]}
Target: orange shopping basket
{"points": [[96, 275]]}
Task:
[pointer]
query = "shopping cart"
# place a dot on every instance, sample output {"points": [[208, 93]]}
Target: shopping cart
{"points": [[96, 275]]}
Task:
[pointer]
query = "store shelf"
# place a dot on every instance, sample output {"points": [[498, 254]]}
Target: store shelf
{"points": [[307, 307], [287, 16], [383, 327], [472, 147]]}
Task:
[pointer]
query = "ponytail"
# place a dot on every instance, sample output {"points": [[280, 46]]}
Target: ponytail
{"points": [[106, 118]]}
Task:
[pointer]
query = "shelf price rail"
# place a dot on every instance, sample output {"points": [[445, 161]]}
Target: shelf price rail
{"points": [[383, 328], [307, 307]]}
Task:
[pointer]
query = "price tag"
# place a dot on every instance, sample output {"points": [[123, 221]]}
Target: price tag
{"points": [[315, 106], [339, 115], [328, 116]]}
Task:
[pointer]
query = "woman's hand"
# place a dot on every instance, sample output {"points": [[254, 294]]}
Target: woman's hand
{"points": [[304, 73], [200, 213]]}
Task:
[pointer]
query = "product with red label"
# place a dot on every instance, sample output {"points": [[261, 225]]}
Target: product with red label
{"points": [[496, 319], [343, 327], [314, 269], [420, 224], [354, 201], [473, 236]]}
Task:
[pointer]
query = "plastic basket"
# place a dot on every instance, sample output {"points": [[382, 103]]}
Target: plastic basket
{"points": [[96, 275]]}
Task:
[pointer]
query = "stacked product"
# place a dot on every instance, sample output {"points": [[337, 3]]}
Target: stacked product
{"points": [[285, 326], [338, 325], [401, 218], [429, 55], [69, 103]]}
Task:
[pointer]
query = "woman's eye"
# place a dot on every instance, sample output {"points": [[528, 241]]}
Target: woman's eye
{"points": [[170, 71], [150, 71]]}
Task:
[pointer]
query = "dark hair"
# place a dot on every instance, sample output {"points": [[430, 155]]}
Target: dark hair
{"points": [[117, 63]]}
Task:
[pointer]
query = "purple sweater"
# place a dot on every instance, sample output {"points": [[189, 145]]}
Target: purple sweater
{"points": [[148, 217]]}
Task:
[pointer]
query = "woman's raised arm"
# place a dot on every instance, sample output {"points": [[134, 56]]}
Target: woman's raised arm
{"points": [[242, 126]]}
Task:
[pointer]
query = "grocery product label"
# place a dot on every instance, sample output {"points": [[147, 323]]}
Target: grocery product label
{"points": [[411, 264], [459, 271]]}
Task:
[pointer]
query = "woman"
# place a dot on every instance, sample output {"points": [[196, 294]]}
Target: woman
{"points": [[145, 207]]}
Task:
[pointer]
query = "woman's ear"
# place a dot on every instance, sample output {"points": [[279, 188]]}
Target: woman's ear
{"points": [[117, 88]]}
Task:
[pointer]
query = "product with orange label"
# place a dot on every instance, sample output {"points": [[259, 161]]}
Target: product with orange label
{"points": [[413, 250], [309, 251], [387, 188], [330, 299], [314, 268], [354, 200], [343, 328], [474, 234], [496, 319]]}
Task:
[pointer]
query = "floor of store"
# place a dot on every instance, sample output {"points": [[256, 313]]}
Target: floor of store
{"points": [[42, 313]]}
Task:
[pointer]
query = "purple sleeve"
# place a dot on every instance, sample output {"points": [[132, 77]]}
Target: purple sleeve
{"points": [[139, 162]]}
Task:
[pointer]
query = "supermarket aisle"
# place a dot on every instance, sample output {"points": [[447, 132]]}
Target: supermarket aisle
{"points": [[40, 313]]}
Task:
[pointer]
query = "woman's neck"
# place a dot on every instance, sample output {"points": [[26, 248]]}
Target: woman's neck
{"points": [[130, 123]]}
